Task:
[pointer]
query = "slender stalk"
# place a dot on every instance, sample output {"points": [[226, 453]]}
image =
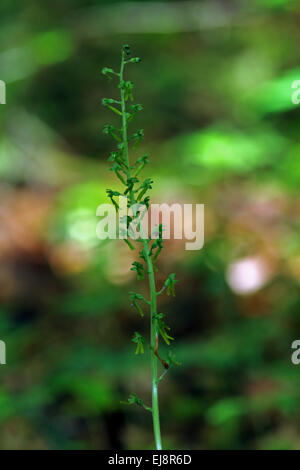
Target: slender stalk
{"points": [[151, 277], [154, 340], [124, 119], [136, 190]]}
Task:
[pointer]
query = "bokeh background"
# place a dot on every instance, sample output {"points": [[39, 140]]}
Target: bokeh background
{"points": [[220, 129]]}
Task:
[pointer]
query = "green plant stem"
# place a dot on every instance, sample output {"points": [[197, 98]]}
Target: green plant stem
{"points": [[153, 295], [124, 118], [154, 339]]}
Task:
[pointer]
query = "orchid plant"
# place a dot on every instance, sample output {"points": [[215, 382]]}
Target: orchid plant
{"points": [[136, 192]]}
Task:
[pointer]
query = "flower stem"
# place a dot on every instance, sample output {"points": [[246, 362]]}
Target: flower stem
{"points": [[153, 322], [124, 118], [154, 340]]}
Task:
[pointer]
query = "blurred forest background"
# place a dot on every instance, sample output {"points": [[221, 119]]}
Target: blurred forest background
{"points": [[220, 129]]}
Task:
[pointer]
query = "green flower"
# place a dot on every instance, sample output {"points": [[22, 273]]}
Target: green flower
{"points": [[139, 340]]}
